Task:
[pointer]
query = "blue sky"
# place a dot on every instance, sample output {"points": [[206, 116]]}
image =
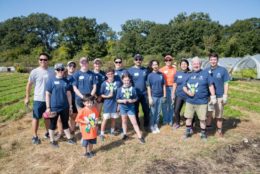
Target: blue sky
{"points": [[116, 12]]}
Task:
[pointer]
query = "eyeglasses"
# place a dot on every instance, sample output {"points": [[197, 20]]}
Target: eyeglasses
{"points": [[118, 62], [139, 60], [45, 60], [60, 69]]}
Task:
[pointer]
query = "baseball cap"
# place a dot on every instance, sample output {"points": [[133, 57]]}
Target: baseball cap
{"points": [[71, 62], [97, 60], [138, 56], [58, 66]]}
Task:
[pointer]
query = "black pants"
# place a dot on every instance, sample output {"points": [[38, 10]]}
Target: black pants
{"points": [[64, 116], [142, 98], [178, 103]]}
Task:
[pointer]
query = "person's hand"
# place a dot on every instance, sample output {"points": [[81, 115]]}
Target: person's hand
{"points": [[48, 110], [110, 94], [225, 99], [164, 100], [70, 110], [150, 100], [213, 99], [26, 101], [125, 101]]}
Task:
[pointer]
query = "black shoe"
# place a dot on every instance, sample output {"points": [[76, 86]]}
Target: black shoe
{"points": [[71, 141], [36, 140], [54, 144], [124, 137], [46, 135], [141, 140], [89, 154]]}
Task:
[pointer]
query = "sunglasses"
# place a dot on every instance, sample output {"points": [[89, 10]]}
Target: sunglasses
{"points": [[138, 59], [45, 60], [118, 62], [169, 60], [74, 66], [60, 69]]}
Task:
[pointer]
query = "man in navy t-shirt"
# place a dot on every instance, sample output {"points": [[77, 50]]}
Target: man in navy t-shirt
{"points": [[220, 78], [84, 82], [198, 87], [138, 75]]}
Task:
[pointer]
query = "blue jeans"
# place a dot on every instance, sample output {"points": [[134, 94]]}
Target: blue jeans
{"points": [[168, 108], [155, 111]]}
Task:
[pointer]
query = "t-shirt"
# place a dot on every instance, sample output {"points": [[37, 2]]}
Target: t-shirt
{"points": [[100, 77], [198, 83], [119, 73], [139, 77], [126, 93], [110, 104], [39, 78], [168, 73], [58, 89], [70, 81], [180, 79], [220, 76], [84, 81], [87, 113], [156, 81]]}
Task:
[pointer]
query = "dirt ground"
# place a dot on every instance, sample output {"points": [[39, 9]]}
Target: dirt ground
{"points": [[167, 152]]}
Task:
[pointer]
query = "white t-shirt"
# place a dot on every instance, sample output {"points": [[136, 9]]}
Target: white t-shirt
{"points": [[39, 78]]}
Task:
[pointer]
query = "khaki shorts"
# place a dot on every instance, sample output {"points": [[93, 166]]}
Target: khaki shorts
{"points": [[217, 109], [201, 111]]}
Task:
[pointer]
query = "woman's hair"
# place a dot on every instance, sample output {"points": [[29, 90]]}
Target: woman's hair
{"points": [[110, 70], [150, 69], [187, 62], [125, 75]]}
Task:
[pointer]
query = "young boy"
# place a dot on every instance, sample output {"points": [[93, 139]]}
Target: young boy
{"points": [[87, 118], [108, 92]]}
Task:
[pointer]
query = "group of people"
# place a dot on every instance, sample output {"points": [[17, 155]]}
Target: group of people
{"points": [[67, 97]]}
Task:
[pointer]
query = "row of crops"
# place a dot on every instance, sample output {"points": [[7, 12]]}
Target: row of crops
{"points": [[12, 93], [243, 95]]}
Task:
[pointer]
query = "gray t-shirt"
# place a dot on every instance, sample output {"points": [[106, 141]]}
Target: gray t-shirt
{"points": [[39, 78]]}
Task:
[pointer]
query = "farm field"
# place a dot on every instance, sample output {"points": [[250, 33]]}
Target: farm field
{"points": [[167, 152]]}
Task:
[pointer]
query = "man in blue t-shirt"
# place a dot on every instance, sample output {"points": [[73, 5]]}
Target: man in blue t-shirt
{"points": [[220, 78], [198, 87], [84, 82], [138, 75]]}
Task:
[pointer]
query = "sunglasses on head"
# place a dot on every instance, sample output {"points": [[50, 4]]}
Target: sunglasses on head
{"points": [[45, 60], [60, 69], [118, 62]]}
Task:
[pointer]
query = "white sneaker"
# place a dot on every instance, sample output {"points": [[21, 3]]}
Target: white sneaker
{"points": [[156, 128], [153, 130]]}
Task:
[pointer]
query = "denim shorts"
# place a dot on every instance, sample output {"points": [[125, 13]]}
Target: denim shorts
{"points": [[39, 108], [127, 110], [85, 143]]}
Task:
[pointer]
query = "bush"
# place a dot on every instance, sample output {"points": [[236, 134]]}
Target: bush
{"points": [[245, 74]]}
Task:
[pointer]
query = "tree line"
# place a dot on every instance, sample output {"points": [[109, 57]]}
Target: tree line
{"points": [[23, 38]]}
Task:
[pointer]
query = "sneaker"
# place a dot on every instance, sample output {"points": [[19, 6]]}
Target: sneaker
{"points": [[102, 137], [71, 141], [113, 133], [124, 137], [46, 135], [141, 140], [175, 126], [89, 154], [203, 136], [157, 130], [54, 144], [36, 140], [187, 134]]}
